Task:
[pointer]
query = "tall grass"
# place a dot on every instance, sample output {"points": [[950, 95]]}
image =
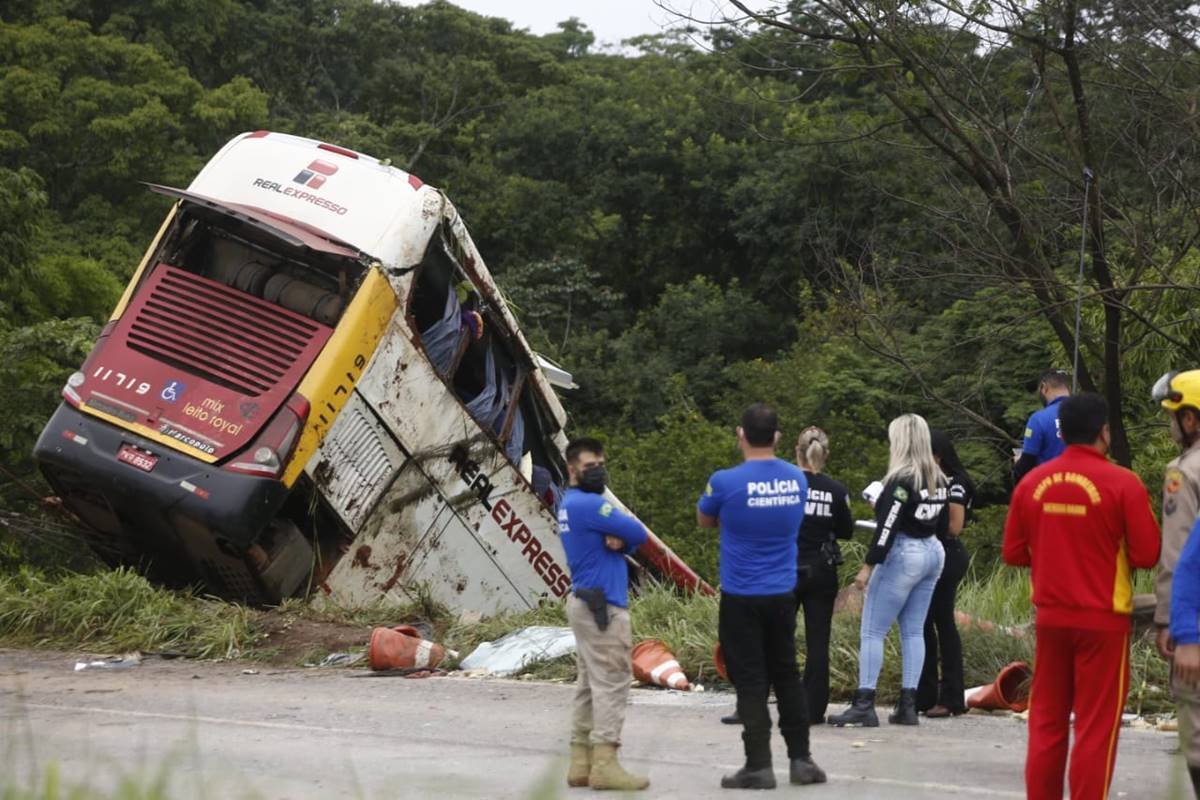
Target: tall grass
{"points": [[688, 627], [117, 610]]}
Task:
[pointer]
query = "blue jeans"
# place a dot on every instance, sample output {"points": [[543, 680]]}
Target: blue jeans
{"points": [[900, 588]]}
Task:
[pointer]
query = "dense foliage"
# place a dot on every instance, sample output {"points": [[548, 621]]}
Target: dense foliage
{"points": [[848, 209]]}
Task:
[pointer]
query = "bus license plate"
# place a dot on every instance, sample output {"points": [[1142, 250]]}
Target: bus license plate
{"points": [[136, 458]]}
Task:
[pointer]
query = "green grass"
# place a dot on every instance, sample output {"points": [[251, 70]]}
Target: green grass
{"points": [[688, 627], [420, 606], [117, 611]]}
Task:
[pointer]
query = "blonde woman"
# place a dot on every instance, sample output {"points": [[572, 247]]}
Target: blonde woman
{"points": [[902, 567]]}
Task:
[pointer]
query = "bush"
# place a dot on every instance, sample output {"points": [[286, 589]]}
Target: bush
{"points": [[661, 475], [983, 539]]}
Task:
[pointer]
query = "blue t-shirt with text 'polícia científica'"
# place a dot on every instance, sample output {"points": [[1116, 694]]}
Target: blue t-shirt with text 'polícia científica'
{"points": [[760, 505]]}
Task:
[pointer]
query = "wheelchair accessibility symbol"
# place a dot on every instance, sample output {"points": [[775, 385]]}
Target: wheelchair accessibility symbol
{"points": [[171, 391]]}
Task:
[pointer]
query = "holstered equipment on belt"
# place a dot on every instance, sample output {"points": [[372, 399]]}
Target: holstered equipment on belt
{"points": [[597, 603]]}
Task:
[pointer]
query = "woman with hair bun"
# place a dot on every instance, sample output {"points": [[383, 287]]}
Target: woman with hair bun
{"points": [[827, 518]]}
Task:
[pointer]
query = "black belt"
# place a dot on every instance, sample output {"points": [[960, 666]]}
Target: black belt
{"points": [[597, 603]]}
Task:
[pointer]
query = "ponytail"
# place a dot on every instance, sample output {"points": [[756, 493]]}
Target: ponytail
{"points": [[812, 449]]}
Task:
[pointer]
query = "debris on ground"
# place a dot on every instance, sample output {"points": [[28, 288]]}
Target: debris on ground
{"points": [[339, 660], [403, 672], [126, 661], [517, 650], [1136, 721]]}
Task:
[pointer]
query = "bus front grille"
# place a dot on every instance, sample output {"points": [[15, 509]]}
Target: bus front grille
{"points": [[218, 333]]}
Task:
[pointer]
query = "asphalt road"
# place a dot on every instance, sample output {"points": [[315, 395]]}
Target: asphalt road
{"points": [[212, 731]]}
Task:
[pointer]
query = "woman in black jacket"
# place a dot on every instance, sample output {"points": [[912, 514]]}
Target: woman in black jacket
{"points": [[827, 518], [900, 571], [944, 698]]}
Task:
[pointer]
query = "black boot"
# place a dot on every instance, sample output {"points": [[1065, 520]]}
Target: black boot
{"points": [[906, 709], [1195, 773], [757, 773], [805, 770], [732, 719], [745, 778], [861, 712]]}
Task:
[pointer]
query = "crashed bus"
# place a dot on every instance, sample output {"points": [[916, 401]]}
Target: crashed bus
{"points": [[312, 383]]}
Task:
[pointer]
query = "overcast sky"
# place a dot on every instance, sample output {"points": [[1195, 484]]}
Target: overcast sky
{"points": [[610, 20]]}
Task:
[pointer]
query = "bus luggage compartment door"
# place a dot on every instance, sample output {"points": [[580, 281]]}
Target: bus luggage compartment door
{"points": [[415, 537]]}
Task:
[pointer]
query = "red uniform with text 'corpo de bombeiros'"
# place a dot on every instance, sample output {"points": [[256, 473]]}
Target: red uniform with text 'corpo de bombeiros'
{"points": [[1082, 524]]}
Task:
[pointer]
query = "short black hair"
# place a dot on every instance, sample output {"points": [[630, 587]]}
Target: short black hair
{"points": [[1055, 377], [759, 425], [584, 444], [1082, 417]]}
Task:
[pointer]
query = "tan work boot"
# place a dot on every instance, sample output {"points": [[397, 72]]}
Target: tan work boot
{"points": [[607, 772], [581, 765]]}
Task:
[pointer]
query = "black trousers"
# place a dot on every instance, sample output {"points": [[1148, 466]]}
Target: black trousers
{"points": [[941, 637], [758, 638], [816, 591]]}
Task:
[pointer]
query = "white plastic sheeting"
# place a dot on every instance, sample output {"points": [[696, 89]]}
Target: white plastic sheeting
{"points": [[519, 649]]}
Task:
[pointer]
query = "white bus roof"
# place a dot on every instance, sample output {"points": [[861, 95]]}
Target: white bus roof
{"points": [[355, 198]]}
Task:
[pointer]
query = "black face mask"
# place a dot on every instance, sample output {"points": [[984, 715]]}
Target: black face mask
{"points": [[593, 479]]}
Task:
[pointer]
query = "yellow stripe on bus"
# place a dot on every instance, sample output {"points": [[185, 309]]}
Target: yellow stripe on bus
{"points": [[328, 383], [137, 275]]}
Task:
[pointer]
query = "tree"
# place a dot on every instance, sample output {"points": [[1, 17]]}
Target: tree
{"points": [[1012, 102], [94, 114]]}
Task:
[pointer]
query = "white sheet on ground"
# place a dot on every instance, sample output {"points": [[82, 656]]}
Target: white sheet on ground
{"points": [[513, 651]]}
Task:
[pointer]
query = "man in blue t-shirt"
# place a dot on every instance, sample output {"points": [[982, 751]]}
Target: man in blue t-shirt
{"points": [[1043, 440], [596, 536], [758, 507]]}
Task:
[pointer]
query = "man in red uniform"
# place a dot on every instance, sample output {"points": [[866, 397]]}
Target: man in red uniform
{"points": [[1082, 524]]}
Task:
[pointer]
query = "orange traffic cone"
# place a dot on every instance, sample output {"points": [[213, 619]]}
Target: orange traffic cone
{"points": [[1009, 691], [653, 663], [402, 647]]}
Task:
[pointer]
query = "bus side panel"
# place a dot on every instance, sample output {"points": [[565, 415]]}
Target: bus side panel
{"points": [[415, 538], [486, 491]]}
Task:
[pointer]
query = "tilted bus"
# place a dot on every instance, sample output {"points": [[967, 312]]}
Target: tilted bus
{"points": [[312, 383]]}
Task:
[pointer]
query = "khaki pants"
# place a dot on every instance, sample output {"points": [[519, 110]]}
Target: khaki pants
{"points": [[1187, 704], [605, 668]]}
